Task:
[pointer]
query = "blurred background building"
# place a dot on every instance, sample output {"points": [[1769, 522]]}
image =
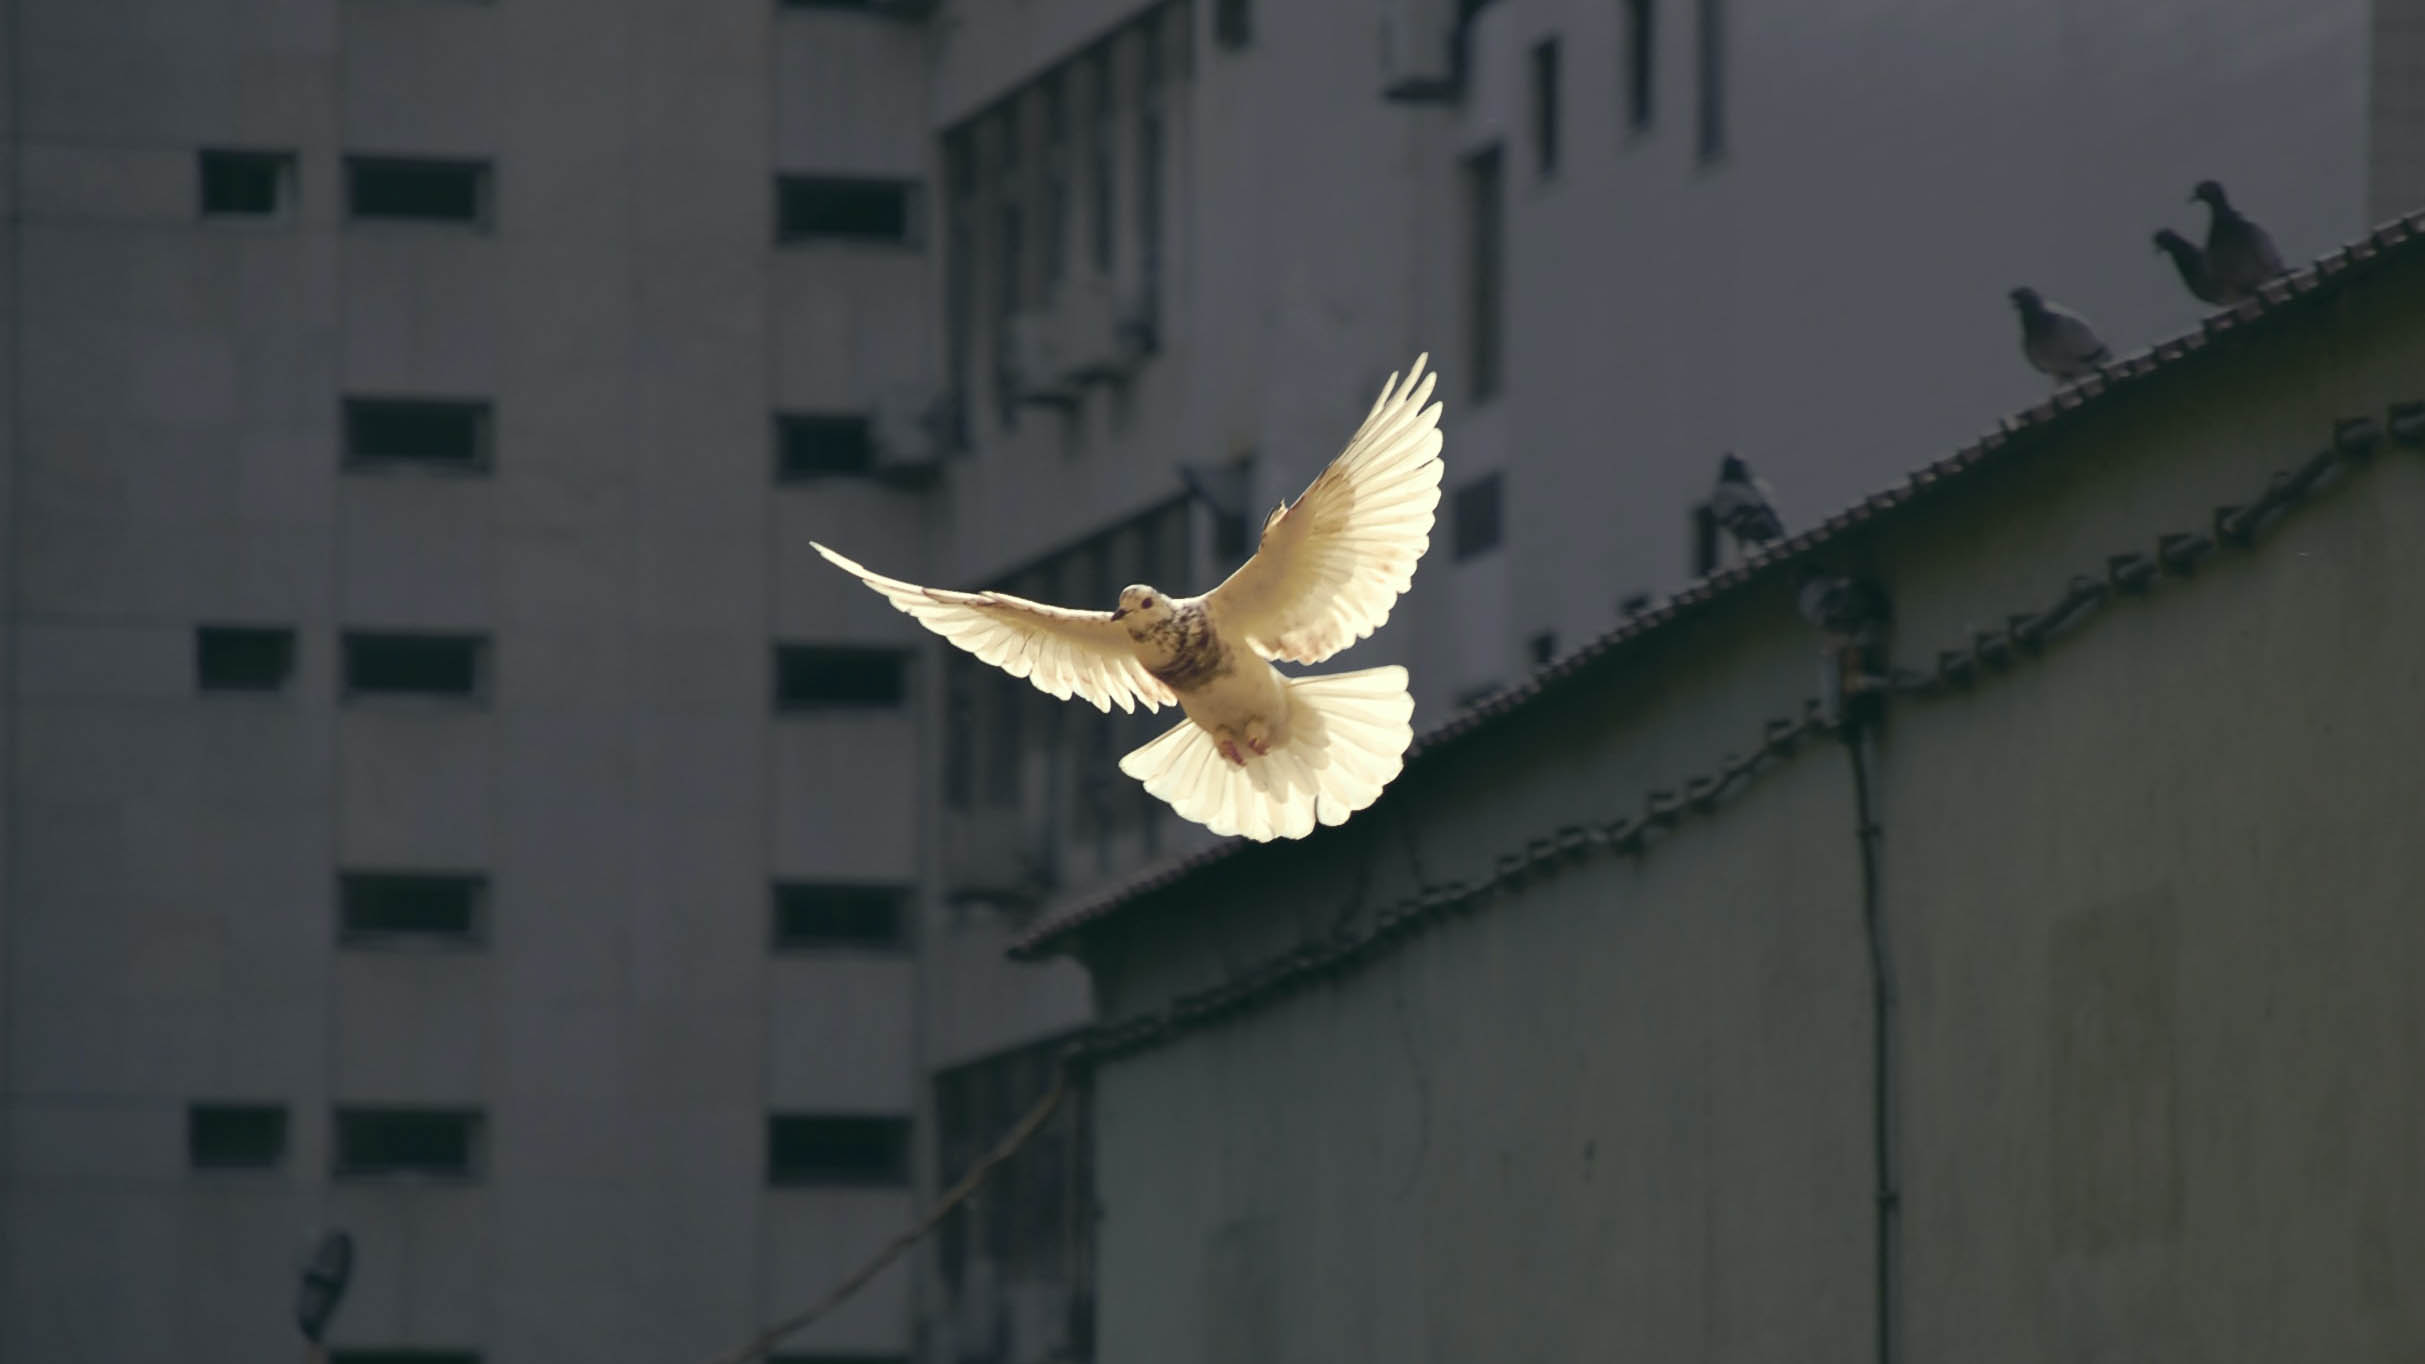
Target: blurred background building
{"points": [[446, 797]]}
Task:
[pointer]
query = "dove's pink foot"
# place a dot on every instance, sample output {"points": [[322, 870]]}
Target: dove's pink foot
{"points": [[1229, 750], [1259, 745]]}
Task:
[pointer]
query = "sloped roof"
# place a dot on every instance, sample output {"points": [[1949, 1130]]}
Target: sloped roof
{"points": [[2396, 240]]}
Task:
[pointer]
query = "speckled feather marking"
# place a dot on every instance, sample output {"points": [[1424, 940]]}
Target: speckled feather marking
{"points": [[1197, 655]]}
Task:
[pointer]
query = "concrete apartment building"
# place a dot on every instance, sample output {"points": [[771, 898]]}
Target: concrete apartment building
{"points": [[446, 798]]}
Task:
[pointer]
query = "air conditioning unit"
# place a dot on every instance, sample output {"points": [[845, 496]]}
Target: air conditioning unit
{"points": [[1421, 57], [1136, 324], [1087, 312], [909, 441], [1033, 364]]}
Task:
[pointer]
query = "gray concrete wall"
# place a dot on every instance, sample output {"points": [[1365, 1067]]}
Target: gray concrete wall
{"points": [[2150, 912]]}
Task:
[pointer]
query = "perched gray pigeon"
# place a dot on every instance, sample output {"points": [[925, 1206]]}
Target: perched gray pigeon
{"points": [[2057, 340], [1743, 504], [2239, 254], [2191, 262], [1261, 753]]}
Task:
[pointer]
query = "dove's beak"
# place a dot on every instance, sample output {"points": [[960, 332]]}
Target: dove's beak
{"points": [[1119, 612]]}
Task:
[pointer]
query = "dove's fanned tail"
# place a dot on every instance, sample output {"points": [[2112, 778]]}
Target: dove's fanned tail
{"points": [[1347, 739]]}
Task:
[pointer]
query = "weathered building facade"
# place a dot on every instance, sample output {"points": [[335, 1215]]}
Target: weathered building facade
{"points": [[1569, 1047]]}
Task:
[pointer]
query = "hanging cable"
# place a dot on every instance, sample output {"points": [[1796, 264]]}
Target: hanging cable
{"points": [[959, 1193]]}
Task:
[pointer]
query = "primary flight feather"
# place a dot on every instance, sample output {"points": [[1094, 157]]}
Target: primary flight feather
{"points": [[1261, 753]]}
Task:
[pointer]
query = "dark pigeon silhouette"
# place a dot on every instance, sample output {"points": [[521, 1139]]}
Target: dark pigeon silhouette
{"points": [[1743, 504], [2055, 339], [2240, 255], [2191, 262]]}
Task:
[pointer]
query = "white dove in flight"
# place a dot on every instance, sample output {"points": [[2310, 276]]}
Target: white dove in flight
{"points": [[1261, 753]]}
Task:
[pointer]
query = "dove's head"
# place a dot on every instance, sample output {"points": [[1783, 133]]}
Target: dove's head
{"points": [[1731, 469], [2209, 193], [1141, 608], [2026, 299]]}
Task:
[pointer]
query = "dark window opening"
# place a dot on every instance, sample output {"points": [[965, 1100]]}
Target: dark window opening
{"points": [[1713, 79], [813, 916], [235, 1136], [393, 1141], [1233, 23], [1485, 228], [1641, 63], [826, 676], [443, 433], [1544, 648], [1102, 181], [413, 665], [1545, 106], [1476, 517], [1056, 181], [243, 658], [959, 730], [414, 190], [837, 1150], [1149, 172], [845, 208], [376, 906], [960, 272], [814, 445], [246, 184]]}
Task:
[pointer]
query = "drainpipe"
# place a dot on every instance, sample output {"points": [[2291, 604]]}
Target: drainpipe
{"points": [[1859, 744]]}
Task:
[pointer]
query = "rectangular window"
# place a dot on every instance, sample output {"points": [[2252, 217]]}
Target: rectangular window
{"points": [[410, 189], [1056, 181], [1102, 177], [1233, 23], [414, 664], [1641, 63], [392, 906], [820, 916], [818, 444], [836, 676], [246, 184], [1712, 43], [1149, 166], [1545, 106], [1010, 258], [243, 657], [960, 683], [1485, 223], [960, 269], [845, 208], [830, 1150], [431, 433], [407, 1141], [1476, 517], [235, 1136], [403, 1356]]}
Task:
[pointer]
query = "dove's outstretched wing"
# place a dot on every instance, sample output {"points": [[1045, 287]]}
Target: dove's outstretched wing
{"points": [[1064, 652], [1331, 566]]}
